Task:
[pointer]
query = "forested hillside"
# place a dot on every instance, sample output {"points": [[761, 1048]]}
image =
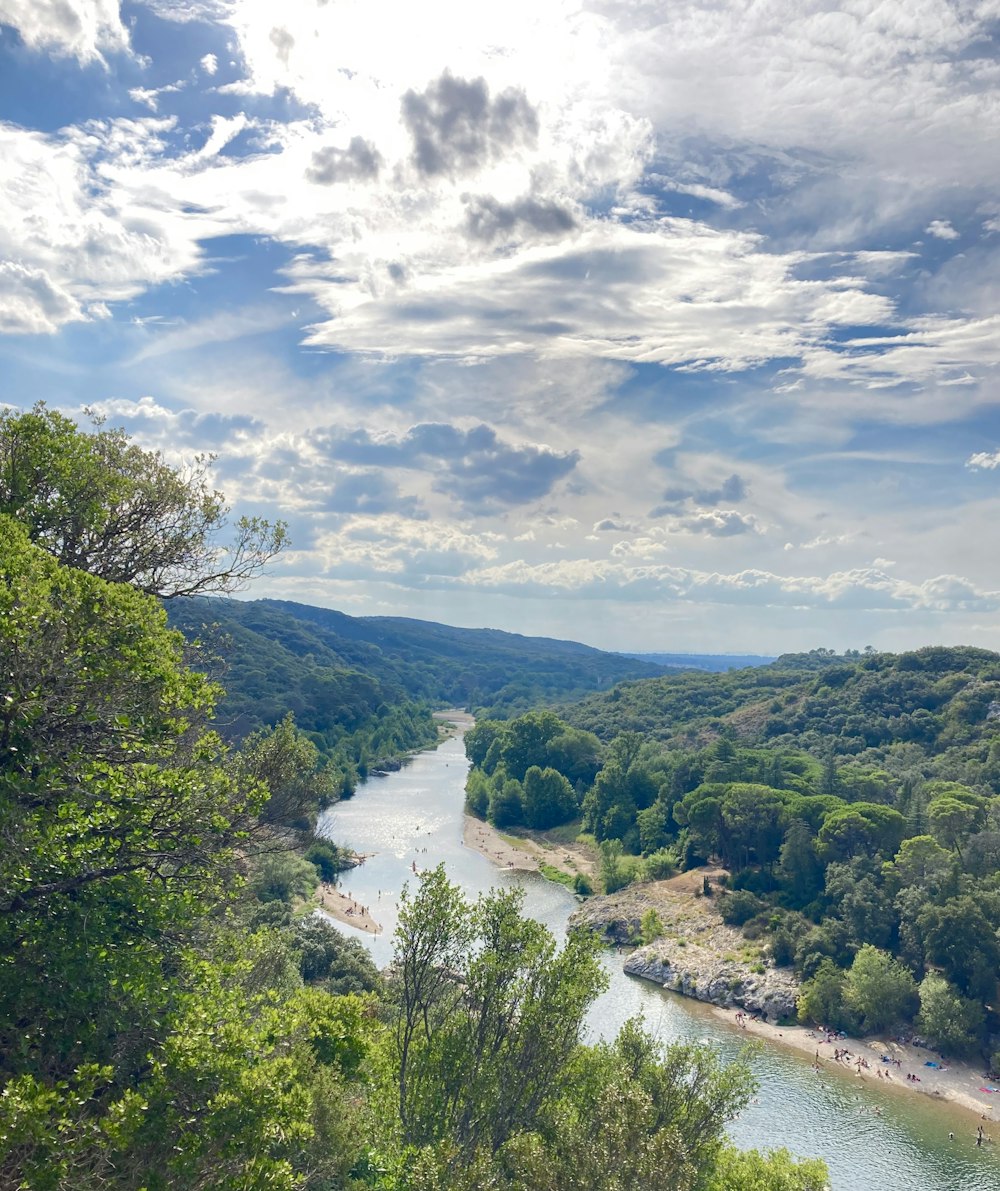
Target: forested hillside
{"points": [[331, 669], [853, 799], [272, 665]]}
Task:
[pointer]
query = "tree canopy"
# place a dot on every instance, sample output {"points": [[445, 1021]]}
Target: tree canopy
{"points": [[99, 503]]}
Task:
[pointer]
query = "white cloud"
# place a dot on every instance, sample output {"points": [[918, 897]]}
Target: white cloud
{"points": [[80, 239], [861, 589], [941, 229], [32, 303], [985, 460], [82, 29], [416, 553], [209, 64]]}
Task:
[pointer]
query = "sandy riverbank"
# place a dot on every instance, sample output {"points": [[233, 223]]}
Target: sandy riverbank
{"points": [[453, 721], [957, 1083], [345, 909], [528, 853]]}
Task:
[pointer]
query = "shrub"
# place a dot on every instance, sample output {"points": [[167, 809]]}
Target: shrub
{"points": [[582, 885], [660, 865], [739, 907], [328, 859]]}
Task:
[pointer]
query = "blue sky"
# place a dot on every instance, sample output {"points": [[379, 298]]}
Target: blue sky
{"points": [[658, 326]]}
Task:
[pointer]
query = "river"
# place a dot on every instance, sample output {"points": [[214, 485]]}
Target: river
{"points": [[415, 816]]}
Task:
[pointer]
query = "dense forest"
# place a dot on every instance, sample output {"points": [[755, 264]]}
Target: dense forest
{"points": [[171, 1012], [276, 656], [853, 800]]}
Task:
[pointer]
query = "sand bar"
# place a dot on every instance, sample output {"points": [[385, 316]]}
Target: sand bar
{"points": [[346, 910]]}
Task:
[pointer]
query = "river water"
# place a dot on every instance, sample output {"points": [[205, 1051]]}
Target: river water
{"points": [[415, 816]]}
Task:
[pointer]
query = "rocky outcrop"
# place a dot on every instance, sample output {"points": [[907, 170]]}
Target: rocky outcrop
{"points": [[617, 918], [771, 993], [697, 954]]}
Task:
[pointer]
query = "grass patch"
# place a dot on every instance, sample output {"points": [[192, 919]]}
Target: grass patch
{"points": [[551, 873], [565, 833]]}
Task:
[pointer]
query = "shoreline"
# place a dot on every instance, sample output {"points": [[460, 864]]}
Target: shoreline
{"points": [[345, 909], [483, 837], [955, 1083], [532, 852]]}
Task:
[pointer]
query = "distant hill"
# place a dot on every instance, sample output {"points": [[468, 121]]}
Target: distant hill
{"points": [[715, 662], [335, 672], [933, 710]]}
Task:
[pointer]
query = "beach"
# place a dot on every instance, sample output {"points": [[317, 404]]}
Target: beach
{"points": [[528, 853], [345, 909], [958, 1083]]}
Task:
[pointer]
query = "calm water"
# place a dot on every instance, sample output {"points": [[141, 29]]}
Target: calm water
{"points": [[415, 816]]}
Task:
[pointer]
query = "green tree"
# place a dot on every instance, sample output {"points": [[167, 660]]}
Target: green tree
{"points": [[488, 1015], [479, 739], [576, 754], [527, 739], [962, 941], [548, 798], [653, 827], [821, 1000], [118, 816], [100, 504], [921, 861], [614, 874], [953, 815], [754, 821], [950, 1020], [879, 989], [776, 1170], [862, 828], [506, 807], [799, 869], [288, 764]]}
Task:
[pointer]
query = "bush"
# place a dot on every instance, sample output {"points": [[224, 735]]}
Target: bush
{"points": [[328, 859], [283, 876], [783, 947], [739, 907], [755, 881], [326, 957], [582, 885], [660, 865], [650, 927]]}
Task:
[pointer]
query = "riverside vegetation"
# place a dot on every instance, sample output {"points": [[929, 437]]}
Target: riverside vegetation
{"points": [[853, 801], [168, 1015]]}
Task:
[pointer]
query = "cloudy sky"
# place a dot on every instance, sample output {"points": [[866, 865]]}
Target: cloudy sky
{"points": [[658, 324]]}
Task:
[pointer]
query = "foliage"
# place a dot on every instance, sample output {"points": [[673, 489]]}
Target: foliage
{"points": [[488, 1014], [879, 989], [740, 906], [650, 927], [492, 1088], [99, 503], [117, 815], [953, 1022], [776, 1170], [548, 798], [283, 876], [821, 1000], [326, 958]]}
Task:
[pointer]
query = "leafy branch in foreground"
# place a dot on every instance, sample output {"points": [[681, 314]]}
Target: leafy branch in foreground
{"points": [[99, 503]]}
